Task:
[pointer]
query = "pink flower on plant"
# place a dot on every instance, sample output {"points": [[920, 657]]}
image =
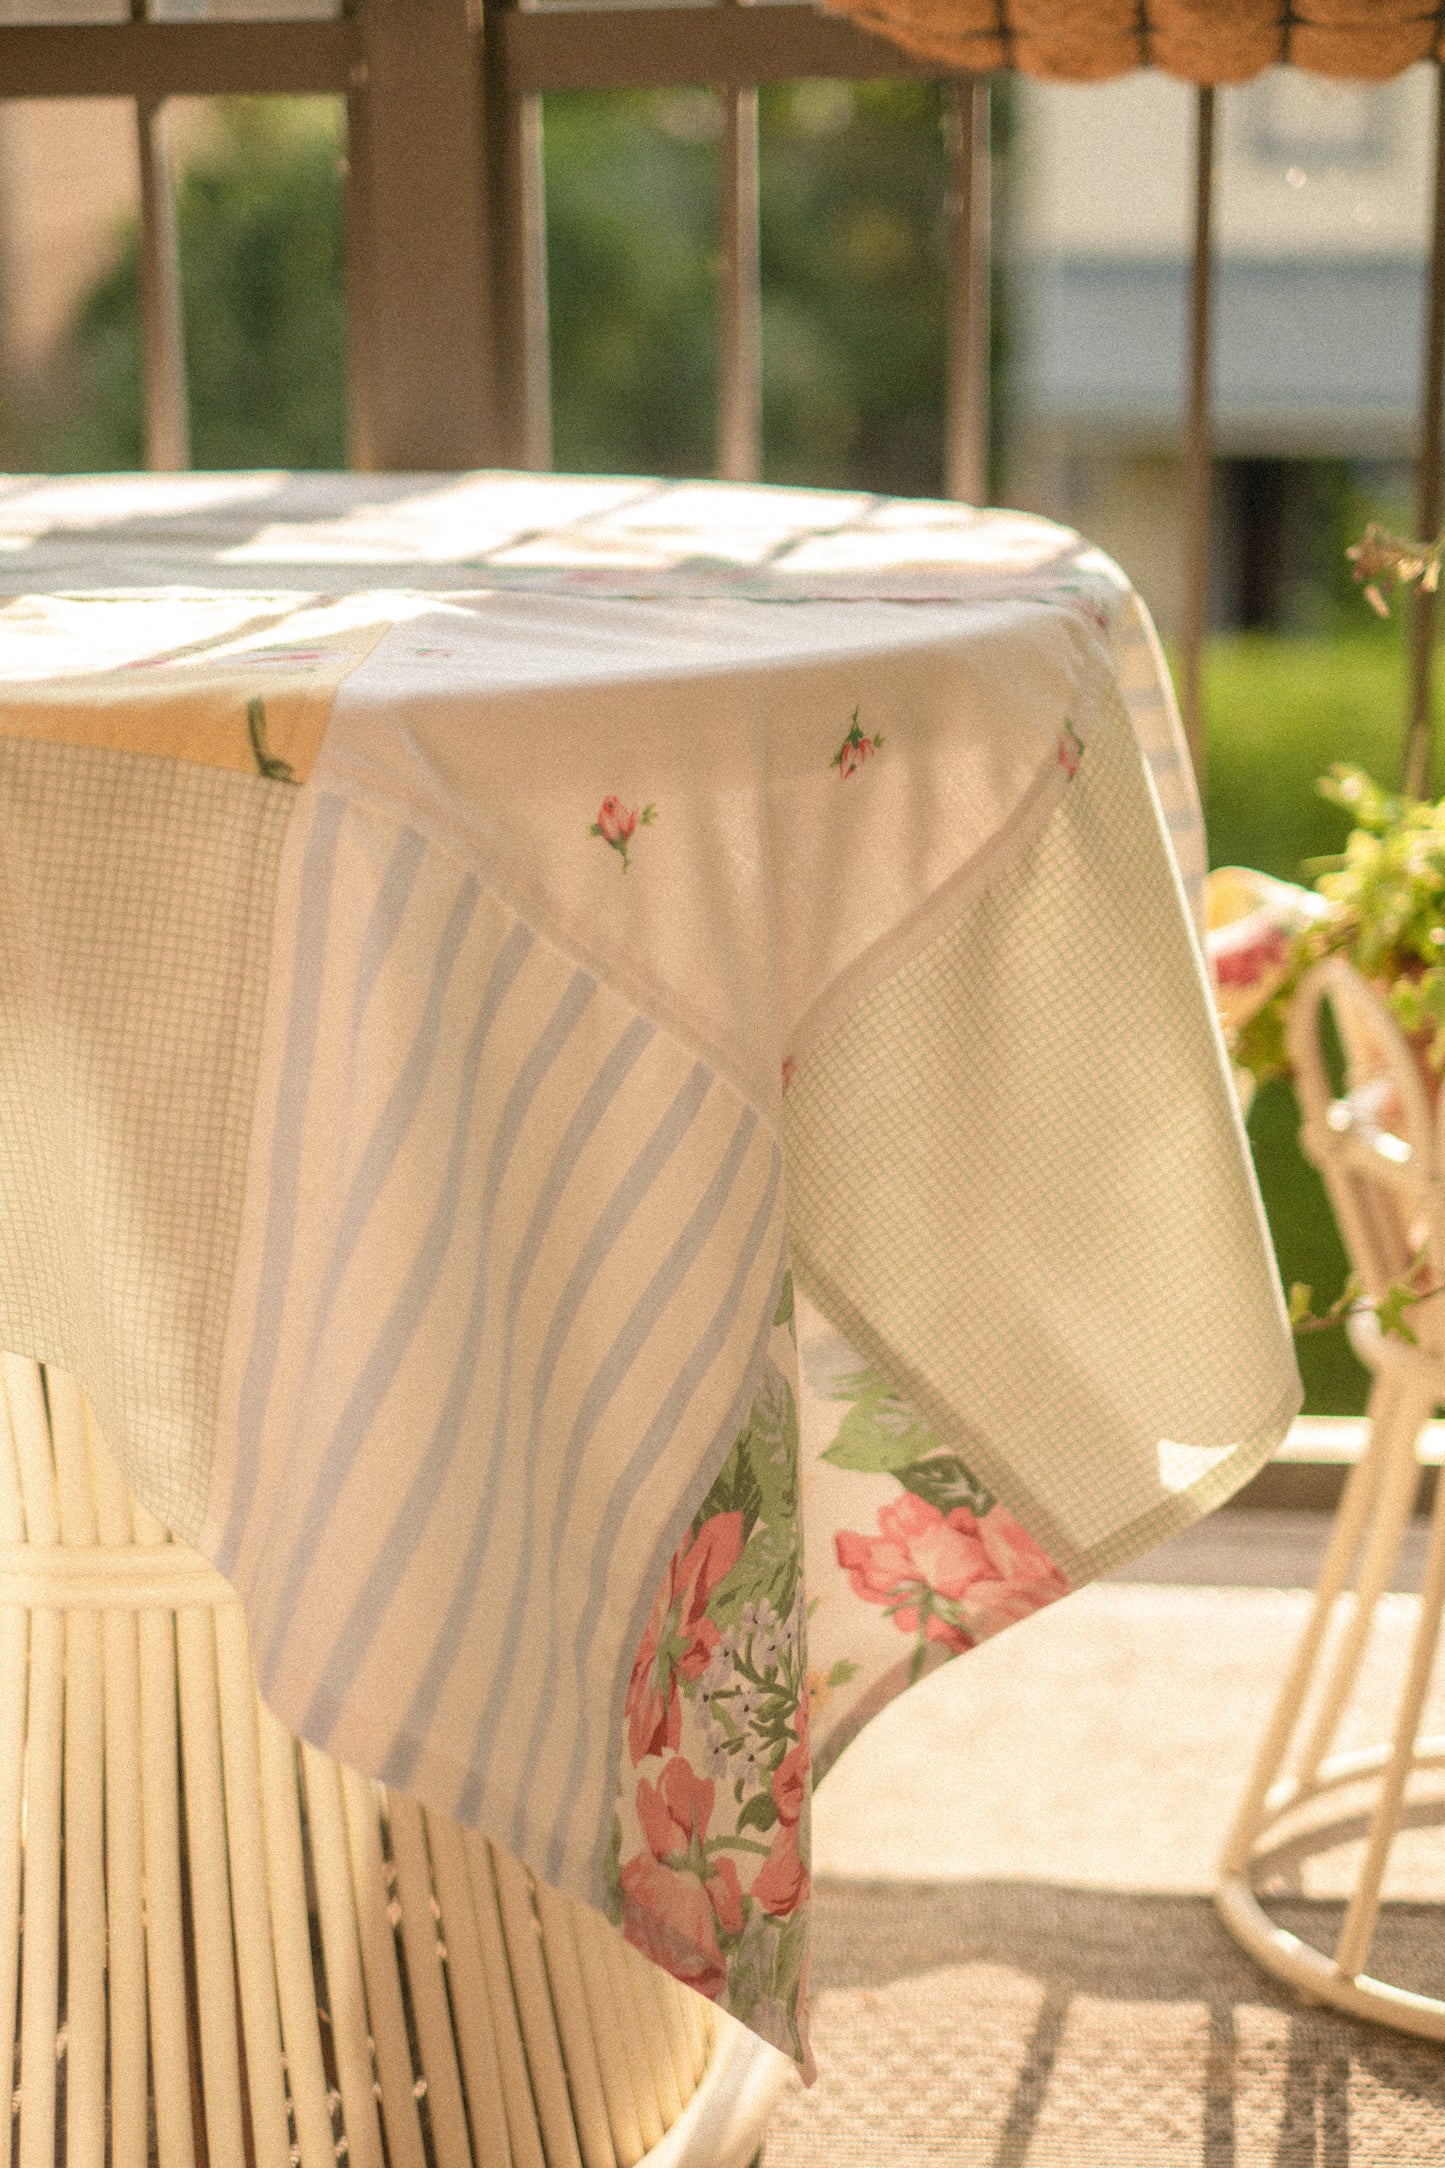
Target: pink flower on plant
{"points": [[617, 823], [1243, 962], [679, 1637], [675, 1896], [953, 1579]]}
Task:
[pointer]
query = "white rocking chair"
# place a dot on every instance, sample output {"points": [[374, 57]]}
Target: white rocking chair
{"points": [[1381, 1150]]}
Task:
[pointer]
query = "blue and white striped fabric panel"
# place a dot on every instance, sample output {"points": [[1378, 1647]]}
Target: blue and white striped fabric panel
{"points": [[1148, 695], [506, 1275]]}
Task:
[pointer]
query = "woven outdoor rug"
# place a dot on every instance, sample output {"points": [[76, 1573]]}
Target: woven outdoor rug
{"points": [[1014, 2025]]}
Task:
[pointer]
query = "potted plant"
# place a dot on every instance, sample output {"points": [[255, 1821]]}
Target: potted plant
{"points": [[1379, 904]]}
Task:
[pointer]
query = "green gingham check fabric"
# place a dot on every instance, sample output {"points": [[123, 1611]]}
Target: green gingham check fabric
{"points": [[134, 928], [1051, 1102]]}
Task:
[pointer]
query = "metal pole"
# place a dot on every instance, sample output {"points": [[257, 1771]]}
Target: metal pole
{"points": [[966, 426], [163, 358], [1419, 733], [740, 333], [1199, 448], [526, 213]]}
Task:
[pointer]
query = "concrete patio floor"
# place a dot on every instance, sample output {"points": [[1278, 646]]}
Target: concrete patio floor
{"points": [[1016, 1960]]}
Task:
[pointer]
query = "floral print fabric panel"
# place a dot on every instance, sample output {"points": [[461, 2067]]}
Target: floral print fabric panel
{"points": [[708, 1874], [911, 1559]]}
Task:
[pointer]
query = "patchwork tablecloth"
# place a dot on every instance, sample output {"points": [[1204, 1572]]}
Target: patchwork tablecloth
{"points": [[610, 1089]]}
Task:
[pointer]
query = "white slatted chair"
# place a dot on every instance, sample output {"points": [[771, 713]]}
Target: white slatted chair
{"points": [[1380, 1147], [220, 1949]]}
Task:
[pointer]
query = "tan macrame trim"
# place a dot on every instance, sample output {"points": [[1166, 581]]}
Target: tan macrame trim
{"points": [[1204, 41]]}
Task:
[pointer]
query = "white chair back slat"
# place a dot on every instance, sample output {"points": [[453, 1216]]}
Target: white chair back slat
{"points": [[40, 1880], [70, 1441], [635, 2046], [523, 2128], [114, 1512], [341, 1955], [471, 1999], [666, 1999], [605, 2020], [436, 2041], [14, 1706], [697, 2024], [651, 2039], [290, 1927], [85, 1924], [124, 1887], [534, 2008], [1376, 1144], [12, 1504], [124, 1840], [165, 1939], [84, 1810], [399, 2117], [250, 1902], [574, 2026], [30, 1426], [40, 1896], [209, 1886]]}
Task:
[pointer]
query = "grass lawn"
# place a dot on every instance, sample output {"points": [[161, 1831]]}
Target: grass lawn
{"points": [[1279, 711]]}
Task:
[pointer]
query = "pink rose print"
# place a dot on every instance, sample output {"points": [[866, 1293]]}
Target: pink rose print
{"points": [[790, 1070], [855, 749], [783, 1882], [675, 1900], [953, 1579], [667, 1917], [1071, 750], [679, 1638], [617, 823]]}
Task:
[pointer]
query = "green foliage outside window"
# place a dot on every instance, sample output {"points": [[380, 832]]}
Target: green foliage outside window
{"points": [[852, 183], [259, 213]]}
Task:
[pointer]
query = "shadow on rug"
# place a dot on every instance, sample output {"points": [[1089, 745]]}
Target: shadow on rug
{"points": [[1016, 2025]]}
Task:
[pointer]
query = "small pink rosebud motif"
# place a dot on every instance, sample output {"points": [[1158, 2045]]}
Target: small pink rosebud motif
{"points": [[617, 823], [790, 1070], [1071, 750], [855, 749]]}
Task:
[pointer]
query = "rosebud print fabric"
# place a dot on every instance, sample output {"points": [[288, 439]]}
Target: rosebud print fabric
{"points": [[643, 1173]]}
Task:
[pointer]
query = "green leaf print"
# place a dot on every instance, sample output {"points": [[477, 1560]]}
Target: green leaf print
{"points": [[772, 1446], [784, 1314], [735, 1490], [279, 771], [759, 1813], [767, 1572], [944, 1481], [612, 1871], [879, 1434]]}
